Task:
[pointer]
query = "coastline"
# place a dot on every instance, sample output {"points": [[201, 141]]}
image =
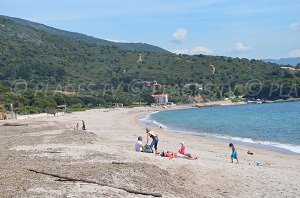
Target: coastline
{"points": [[105, 153], [283, 148]]}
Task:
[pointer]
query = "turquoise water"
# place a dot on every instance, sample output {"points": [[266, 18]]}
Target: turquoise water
{"points": [[276, 124]]}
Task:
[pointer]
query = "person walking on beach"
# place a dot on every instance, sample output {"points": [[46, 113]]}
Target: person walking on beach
{"points": [[234, 154], [83, 125], [77, 126], [154, 137]]}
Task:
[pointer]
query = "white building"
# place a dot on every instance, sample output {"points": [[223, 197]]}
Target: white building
{"points": [[161, 99]]}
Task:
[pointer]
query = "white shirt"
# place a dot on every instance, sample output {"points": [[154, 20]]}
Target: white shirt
{"points": [[138, 146]]}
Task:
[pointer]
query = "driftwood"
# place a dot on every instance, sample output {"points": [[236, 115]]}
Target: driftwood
{"points": [[15, 124], [118, 163], [64, 179], [53, 152]]}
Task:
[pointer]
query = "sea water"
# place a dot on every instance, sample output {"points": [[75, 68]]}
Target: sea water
{"points": [[274, 125]]}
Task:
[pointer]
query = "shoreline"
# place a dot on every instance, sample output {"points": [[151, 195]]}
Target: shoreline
{"points": [[268, 146]]}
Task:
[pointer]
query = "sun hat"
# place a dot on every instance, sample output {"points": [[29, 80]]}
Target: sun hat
{"points": [[182, 143]]}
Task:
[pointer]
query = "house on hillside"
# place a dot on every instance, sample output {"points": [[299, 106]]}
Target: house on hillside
{"points": [[161, 99], [150, 83]]}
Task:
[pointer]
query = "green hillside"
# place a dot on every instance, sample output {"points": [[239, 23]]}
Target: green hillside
{"points": [[89, 39], [46, 57]]}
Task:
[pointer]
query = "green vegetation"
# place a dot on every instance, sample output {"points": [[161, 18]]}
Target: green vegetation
{"points": [[36, 61]]}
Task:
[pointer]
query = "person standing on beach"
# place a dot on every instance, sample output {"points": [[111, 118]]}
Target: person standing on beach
{"points": [[154, 137], [83, 125], [234, 154], [77, 126]]}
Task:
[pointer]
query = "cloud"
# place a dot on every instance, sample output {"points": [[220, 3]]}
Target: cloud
{"points": [[294, 53], [295, 26], [182, 51], [180, 35], [200, 50], [240, 47], [195, 50]]}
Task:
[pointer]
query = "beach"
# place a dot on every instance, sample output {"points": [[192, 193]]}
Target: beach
{"points": [[102, 161]]}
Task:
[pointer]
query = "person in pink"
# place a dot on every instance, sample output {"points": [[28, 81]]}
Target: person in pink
{"points": [[182, 152], [182, 149]]}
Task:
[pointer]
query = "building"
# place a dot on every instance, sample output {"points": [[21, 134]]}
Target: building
{"points": [[161, 99], [150, 83]]}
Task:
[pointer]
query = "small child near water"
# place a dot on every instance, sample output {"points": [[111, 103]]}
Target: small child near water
{"points": [[234, 154]]}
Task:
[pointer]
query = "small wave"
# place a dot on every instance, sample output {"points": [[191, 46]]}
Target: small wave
{"points": [[148, 120], [290, 147], [160, 124]]}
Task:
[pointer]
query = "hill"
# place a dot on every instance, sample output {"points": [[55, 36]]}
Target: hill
{"points": [[90, 39], [35, 62], [284, 61]]}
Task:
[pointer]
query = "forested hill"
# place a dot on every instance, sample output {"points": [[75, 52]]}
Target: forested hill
{"points": [[90, 39], [33, 53], [42, 55]]}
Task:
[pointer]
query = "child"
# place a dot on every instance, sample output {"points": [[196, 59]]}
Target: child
{"points": [[234, 154]]}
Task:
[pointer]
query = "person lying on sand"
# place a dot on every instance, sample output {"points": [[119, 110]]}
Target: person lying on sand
{"points": [[154, 137], [139, 145], [234, 154], [171, 155]]}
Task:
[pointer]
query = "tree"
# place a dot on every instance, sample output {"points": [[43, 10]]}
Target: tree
{"points": [[239, 90]]}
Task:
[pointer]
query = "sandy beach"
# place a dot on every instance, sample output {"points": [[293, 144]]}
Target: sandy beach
{"points": [[103, 163]]}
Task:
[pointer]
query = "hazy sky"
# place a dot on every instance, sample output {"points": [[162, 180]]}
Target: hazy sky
{"points": [[239, 28]]}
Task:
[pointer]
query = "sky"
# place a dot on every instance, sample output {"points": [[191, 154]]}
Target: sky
{"points": [[237, 28]]}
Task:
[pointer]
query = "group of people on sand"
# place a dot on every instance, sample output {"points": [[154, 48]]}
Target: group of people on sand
{"points": [[147, 148], [139, 147], [77, 126]]}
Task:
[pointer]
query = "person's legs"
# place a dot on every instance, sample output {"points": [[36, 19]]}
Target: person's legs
{"points": [[154, 143], [188, 154]]}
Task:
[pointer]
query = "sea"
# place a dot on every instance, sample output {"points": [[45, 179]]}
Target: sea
{"points": [[274, 126]]}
